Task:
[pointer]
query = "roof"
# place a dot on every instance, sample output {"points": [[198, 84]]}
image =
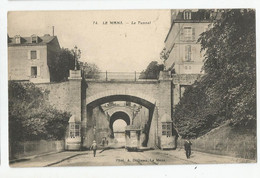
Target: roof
{"points": [[200, 16], [72, 119], [26, 41]]}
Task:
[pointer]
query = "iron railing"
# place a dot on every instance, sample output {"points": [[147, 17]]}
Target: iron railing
{"points": [[118, 76]]}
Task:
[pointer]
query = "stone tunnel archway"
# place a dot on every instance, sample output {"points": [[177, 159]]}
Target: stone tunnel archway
{"points": [[98, 100], [116, 116]]}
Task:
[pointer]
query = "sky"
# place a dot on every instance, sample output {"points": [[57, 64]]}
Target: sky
{"points": [[119, 125], [125, 47]]}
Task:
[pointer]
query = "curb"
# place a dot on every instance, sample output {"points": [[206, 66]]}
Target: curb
{"points": [[57, 162], [32, 157]]}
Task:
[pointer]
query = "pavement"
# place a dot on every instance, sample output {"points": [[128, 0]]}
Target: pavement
{"points": [[120, 157]]}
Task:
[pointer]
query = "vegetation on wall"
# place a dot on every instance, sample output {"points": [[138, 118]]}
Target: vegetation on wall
{"points": [[59, 68], [30, 115], [90, 70], [65, 61], [152, 71], [227, 92]]}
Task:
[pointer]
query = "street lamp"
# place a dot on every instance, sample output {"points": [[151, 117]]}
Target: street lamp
{"points": [[77, 54]]}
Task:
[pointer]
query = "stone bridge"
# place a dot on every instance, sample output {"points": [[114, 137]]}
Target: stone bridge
{"points": [[83, 96], [152, 94]]}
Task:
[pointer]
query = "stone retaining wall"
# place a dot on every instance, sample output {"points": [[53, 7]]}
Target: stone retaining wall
{"points": [[21, 150]]}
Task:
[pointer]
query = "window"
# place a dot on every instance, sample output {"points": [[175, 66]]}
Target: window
{"points": [[34, 71], [188, 53], [33, 54], [74, 130], [34, 39], [17, 40], [187, 15], [167, 129], [187, 33]]}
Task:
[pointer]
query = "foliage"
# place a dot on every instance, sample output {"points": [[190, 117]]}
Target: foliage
{"points": [[63, 62], [90, 70], [152, 71], [31, 117], [164, 55], [228, 90]]}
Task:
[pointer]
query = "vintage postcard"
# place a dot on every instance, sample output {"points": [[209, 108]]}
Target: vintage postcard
{"points": [[132, 87]]}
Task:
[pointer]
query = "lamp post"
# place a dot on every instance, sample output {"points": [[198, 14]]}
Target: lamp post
{"points": [[77, 54]]}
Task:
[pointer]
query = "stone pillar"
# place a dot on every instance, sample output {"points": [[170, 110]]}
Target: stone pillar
{"points": [[75, 94], [74, 106], [164, 94], [164, 99]]}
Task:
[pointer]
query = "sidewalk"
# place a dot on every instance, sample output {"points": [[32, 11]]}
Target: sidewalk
{"points": [[49, 159], [207, 158]]}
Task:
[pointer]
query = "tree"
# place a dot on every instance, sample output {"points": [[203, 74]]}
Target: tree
{"points": [[64, 61], [90, 70], [164, 55], [31, 117], [231, 54], [152, 71], [228, 90]]}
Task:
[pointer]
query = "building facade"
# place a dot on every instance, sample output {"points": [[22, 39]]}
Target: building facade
{"points": [[30, 58], [185, 58], [181, 44]]}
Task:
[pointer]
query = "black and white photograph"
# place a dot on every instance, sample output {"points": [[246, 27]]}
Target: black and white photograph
{"points": [[131, 87]]}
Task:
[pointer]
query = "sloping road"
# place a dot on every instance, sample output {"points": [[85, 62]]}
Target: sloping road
{"points": [[120, 157]]}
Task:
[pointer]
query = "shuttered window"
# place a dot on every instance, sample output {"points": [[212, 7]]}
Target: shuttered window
{"points": [[188, 53], [188, 34]]}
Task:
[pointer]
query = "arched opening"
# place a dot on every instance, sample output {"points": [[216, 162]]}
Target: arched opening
{"points": [[121, 115], [119, 132], [119, 125], [118, 116]]}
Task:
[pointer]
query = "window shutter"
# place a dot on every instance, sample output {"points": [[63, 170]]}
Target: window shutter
{"points": [[193, 53], [181, 35], [29, 54], [186, 53], [38, 54], [38, 71], [189, 53], [193, 34], [29, 72]]}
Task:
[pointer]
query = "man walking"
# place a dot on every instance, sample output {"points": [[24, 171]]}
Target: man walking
{"points": [[187, 147], [94, 147]]}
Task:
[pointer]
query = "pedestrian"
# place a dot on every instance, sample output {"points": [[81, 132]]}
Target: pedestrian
{"points": [[94, 147], [103, 142], [107, 141], [187, 147]]}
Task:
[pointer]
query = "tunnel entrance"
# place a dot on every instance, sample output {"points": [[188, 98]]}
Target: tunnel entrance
{"points": [[143, 122], [117, 116], [119, 132]]}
